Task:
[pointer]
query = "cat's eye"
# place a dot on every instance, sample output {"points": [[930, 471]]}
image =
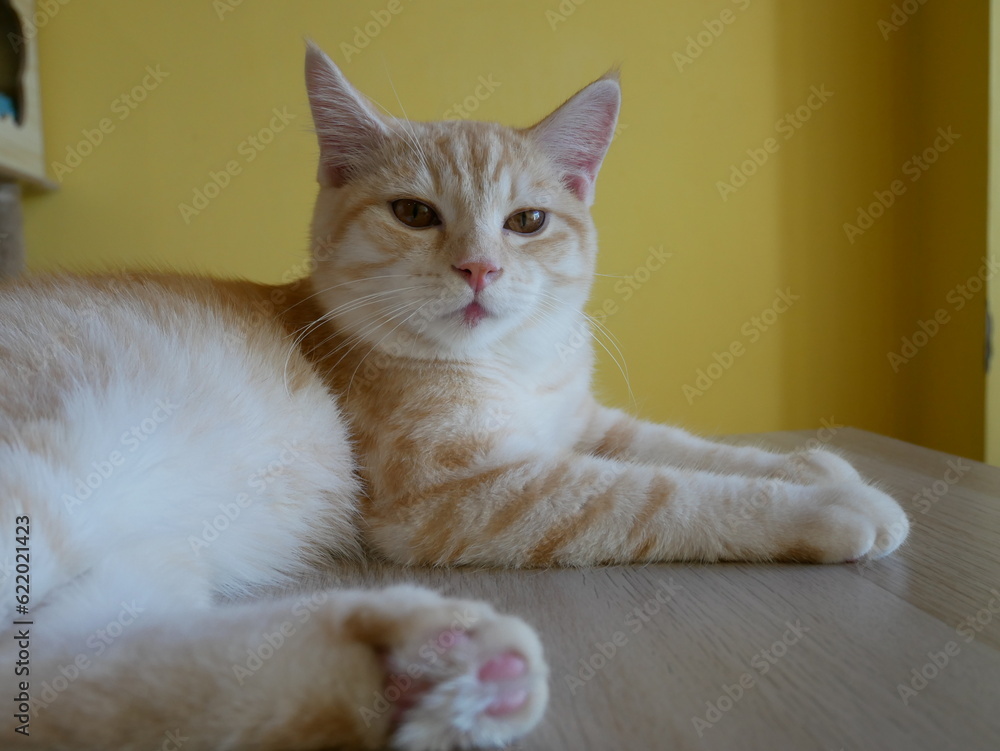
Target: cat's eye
{"points": [[414, 213], [525, 222]]}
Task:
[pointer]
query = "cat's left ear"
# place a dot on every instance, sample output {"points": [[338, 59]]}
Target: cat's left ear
{"points": [[577, 135], [347, 124]]}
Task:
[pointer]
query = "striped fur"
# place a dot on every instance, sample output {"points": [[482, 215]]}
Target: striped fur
{"points": [[483, 444], [424, 394]]}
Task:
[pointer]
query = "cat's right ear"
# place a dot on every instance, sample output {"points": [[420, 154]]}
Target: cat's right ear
{"points": [[347, 124]]}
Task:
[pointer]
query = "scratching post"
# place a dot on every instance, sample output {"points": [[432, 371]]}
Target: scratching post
{"points": [[11, 230]]}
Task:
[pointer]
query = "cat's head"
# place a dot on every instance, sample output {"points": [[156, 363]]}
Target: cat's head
{"points": [[452, 236]]}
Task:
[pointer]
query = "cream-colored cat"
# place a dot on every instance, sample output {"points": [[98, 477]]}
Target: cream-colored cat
{"points": [[166, 440]]}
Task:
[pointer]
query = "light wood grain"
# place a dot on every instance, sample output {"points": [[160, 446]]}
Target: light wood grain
{"points": [[835, 686]]}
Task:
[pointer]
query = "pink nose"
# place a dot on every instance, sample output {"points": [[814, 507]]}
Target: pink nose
{"points": [[478, 274]]}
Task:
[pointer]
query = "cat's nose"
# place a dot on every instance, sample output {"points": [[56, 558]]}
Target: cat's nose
{"points": [[479, 274]]}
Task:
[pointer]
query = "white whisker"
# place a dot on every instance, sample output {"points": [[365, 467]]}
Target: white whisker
{"points": [[301, 334], [351, 382], [622, 365]]}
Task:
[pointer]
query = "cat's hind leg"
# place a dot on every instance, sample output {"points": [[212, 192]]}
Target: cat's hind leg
{"points": [[402, 667], [465, 676]]}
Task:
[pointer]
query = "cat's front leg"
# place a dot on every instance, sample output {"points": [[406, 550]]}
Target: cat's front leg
{"points": [[582, 510], [615, 434]]}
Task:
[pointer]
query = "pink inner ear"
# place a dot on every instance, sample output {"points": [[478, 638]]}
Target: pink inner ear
{"points": [[330, 176], [577, 135], [345, 124], [583, 163], [578, 185]]}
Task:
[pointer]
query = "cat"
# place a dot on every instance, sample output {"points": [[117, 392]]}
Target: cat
{"points": [[169, 441]]}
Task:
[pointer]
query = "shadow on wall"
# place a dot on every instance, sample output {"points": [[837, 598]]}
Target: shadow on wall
{"points": [[884, 194]]}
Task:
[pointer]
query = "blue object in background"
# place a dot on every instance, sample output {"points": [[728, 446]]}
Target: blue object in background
{"points": [[7, 107]]}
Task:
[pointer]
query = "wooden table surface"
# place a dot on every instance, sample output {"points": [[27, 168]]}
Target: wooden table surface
{"points": [[903, 653]]}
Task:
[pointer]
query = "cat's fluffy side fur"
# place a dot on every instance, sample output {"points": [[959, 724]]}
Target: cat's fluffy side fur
{"points": [[174, 438]]}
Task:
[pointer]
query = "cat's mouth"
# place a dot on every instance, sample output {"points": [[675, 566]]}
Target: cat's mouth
{"points": [[473, 313]]}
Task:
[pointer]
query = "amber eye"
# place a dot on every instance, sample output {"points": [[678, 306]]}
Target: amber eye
{"points": [[525, 222], [414, 213]]}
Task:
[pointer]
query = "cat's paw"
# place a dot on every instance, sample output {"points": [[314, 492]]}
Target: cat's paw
{"points": [[845, 522], [815, 467], [459, 675]]}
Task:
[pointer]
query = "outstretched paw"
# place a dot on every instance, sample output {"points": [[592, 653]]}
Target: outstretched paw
{"points": [[460, 675], [845, 522], [816, 467]]}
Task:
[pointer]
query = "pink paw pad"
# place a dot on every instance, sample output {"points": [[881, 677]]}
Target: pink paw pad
{"points": [[503, 670], [506, 667]]}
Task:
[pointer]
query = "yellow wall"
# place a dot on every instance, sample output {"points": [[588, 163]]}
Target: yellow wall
{"points": [[993, 386], [684, 125]]}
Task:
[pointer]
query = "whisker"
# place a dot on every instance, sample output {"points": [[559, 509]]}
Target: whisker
{"points": [[379, 320], [343, 284], [351, 382], [621, 369], [349, 306], [408, 135], [621, 365], [615, 341], [372, 322], [351, 339], [300, 335], [406, 124]]}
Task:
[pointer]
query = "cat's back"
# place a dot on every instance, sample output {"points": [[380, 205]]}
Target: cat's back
{"points": [[137, 398], [58, 332]]}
